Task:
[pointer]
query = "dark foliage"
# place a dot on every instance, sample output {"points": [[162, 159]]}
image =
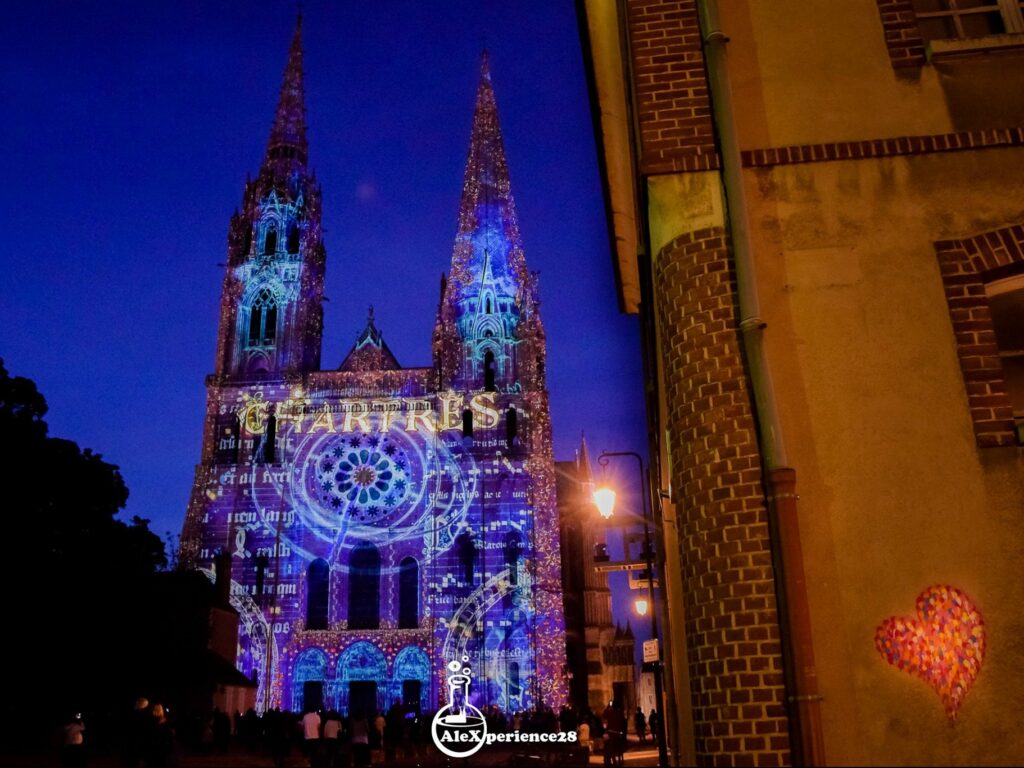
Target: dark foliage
{"points": [[87, 611]]}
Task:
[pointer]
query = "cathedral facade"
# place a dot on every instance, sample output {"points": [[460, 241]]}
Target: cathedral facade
{"points": [[379, 522]]}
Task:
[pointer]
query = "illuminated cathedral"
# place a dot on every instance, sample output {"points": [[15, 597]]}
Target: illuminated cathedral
{"points": [[375, 521]]}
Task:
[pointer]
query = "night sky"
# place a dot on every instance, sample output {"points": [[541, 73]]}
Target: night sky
{"points": [[130, 129]]}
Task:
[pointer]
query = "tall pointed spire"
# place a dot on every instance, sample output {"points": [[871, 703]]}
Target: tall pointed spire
{"points": [[287, 142], [488, 230], [586, 474]]}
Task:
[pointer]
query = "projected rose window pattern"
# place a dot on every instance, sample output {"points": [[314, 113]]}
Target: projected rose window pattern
{"points": [[366, 476]]}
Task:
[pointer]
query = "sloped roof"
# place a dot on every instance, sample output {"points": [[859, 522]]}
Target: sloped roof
{"points": [[370, 352]]}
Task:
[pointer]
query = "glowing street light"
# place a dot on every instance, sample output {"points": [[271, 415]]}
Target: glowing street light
{"points": [[604, 498]]}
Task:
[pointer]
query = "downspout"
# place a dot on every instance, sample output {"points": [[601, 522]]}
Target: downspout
{"points": [[805, 702]]}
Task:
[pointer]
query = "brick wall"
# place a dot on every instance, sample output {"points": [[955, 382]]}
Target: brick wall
{"points": [[732, 630], [902, 36], [966, 266], [991, 138], [671, 87]]}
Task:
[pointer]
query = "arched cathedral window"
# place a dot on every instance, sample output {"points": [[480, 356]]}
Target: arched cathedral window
{"points": [[408, 594], [364, 588], [467, 557], [270, 241], [293, 238], [318, 592], [489, 371], [263, 320]]}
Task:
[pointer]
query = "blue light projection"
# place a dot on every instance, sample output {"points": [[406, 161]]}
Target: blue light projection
{"points": [[372, 540]]}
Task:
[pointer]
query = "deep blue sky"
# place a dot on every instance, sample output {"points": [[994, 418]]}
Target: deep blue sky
{"points": [[130, 128]]}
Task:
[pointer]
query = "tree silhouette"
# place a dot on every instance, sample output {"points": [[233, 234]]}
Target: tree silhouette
{"points": [[73, 575]]}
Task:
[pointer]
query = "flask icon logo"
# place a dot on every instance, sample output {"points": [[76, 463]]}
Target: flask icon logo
{"points": [[459, 728]]}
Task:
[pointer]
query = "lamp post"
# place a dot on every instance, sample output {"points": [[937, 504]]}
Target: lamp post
{"points": [[604, 498]]}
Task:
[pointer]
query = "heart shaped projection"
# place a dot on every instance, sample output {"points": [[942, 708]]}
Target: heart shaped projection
{"points": [[944, 644]]}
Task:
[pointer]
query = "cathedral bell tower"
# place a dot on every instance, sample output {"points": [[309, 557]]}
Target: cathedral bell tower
{"points": [[488, 333], [271, 314]]}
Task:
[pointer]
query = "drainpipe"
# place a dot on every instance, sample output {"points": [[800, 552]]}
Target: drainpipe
{"points": [[805, 702]]}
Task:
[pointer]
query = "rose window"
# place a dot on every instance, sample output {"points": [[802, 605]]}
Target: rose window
{"points": [[364, 475]]}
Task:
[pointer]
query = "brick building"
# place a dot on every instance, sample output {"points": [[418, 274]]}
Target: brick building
{"points": [[816, 210]]}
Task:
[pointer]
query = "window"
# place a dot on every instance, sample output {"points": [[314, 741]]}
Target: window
{"points": [[318, 593], [489, 371], [270, 241], [983, 277], [270, 323], [364, 588], [964, 19], [515, 689], [467, 557], [1006, 301], [263, 320], [408, 594], [293, 238], [513, 549]]}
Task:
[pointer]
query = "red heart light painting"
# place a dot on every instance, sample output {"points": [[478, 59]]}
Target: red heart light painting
{"points": [[944, 644]]}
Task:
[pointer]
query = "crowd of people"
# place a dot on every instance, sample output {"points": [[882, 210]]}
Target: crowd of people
{"points": [[147, 737], [362, 739]]}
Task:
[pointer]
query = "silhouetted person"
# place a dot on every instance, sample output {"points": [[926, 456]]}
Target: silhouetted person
{"points": [[640, 723], [378, 727], [614, 734], [221, 730], [393, 731], [136, 733], [73, 749], [332, 736], [311, 733], [276, 729], [160, 739], [654, 720], [359, 728]]}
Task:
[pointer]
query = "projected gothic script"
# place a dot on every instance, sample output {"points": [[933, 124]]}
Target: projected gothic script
{"points": [[380, 520]]}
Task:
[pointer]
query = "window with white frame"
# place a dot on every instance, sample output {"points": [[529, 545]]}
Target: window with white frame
{"points": [[967, 19]]}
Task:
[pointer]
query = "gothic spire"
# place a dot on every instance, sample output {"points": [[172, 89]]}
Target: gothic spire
{"points": [[287, 144], [586, 474], [488, 234]]}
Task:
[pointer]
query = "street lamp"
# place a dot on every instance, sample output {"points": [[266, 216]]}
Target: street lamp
{"points": [[604, 499]]}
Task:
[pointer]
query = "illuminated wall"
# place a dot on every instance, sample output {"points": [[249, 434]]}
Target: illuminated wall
{"points": [[371, 541]]}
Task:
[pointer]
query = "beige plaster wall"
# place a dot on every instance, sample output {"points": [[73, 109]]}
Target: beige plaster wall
{"points": [[814, 71], [894, 494]]}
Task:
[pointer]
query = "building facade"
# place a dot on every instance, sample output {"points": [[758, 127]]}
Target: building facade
{"points": [[381, 521], [600, 655], [817, 212]]}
